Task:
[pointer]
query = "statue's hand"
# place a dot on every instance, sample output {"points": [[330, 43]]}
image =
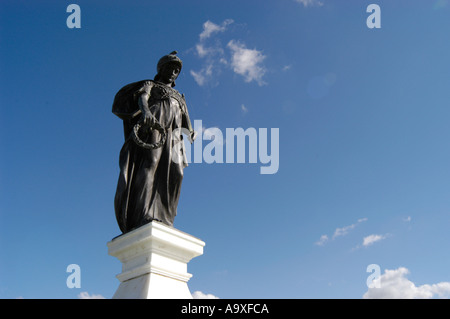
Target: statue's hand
{"points": [[148, 119], [193, 136]]}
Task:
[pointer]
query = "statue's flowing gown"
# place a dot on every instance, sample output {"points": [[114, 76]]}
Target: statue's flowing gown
{"points": [[150, 179]]}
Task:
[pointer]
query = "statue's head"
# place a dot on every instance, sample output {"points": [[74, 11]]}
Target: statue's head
{"points": [[168, 68]]}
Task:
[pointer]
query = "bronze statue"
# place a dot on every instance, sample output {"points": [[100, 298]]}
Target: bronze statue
{"points": [[151, 171]]}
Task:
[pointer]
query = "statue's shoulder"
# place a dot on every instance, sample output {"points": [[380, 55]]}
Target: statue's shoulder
{"points": [[132, 88], [125, 102]]}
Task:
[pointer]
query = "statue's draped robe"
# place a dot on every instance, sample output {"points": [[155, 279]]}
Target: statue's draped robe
{"points": [[150, 179]]}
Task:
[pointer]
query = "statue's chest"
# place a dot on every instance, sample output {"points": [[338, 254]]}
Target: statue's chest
{"points": [[162, 92]]}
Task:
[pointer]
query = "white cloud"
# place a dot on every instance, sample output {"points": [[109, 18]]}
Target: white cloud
{"points": [[202, 76], [395, 285], [201, 50], [340, 231], [344, 230], [322, 240], [86, 295], [371, 239], [208, 52], [209, 28], [244, 109], [243, 61], [247, 62], [308, 3], [198, 77], [201, 295], [213, 55]]}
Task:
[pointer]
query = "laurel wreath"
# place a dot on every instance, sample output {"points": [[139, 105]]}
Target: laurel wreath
{"points": [[155, 126]]}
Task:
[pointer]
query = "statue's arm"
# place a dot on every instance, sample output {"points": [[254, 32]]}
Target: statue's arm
{"points": [[147, 116], [186, 121]]}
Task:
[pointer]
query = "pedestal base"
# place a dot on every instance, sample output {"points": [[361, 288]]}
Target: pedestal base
{"points": [[154, 262]]}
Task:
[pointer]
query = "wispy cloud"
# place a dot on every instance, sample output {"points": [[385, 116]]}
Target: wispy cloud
{"points": [[322, 240], [340, 231], [212, 54], [203, 75], [309, 3], [235, 56], [86, 295], [393, 284], [371, 239], [210, 28], [201, 295], [344, 230]]}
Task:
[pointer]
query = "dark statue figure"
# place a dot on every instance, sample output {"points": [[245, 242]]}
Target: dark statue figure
{"points": [[154, 115]]}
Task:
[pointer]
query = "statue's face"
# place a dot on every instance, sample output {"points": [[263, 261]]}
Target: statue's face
{"points": [[169, 73]]}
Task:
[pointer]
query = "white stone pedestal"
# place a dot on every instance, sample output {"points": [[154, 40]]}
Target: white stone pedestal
{"points": [[154, 262]]}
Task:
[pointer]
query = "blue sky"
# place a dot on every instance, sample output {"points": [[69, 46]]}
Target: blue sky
{"points": [[364, 153]]}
